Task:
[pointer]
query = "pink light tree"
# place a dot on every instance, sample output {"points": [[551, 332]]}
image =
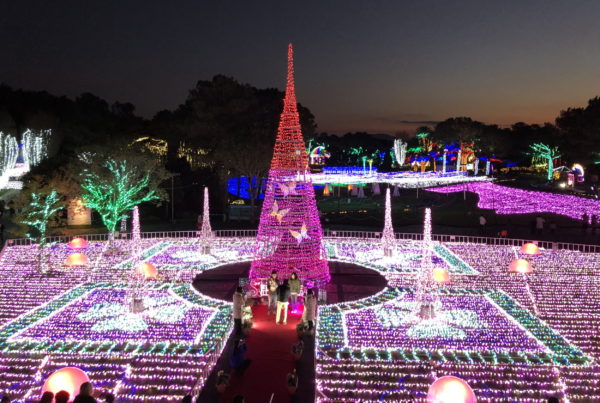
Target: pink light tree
{"points": [[289, 233]]}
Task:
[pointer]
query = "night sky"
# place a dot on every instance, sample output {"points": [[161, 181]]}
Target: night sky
{"points": [[379, 66]]}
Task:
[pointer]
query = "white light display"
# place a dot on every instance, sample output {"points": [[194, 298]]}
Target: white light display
{"points": [[35, 146], [399, 150]]}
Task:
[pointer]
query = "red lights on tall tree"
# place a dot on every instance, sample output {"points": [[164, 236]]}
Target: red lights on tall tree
{"points": [[289, 233]]}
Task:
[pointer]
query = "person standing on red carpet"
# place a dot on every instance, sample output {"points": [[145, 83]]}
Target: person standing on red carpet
{"points": [[283, 296], [272, 285], [294, 289]]}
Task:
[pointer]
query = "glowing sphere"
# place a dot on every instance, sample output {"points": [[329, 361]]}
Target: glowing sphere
{"points": [[530, 249], [78, 243], [450, 389], [520, 266], [77, 259], [148, 270], [68, 379], [441, 275]]}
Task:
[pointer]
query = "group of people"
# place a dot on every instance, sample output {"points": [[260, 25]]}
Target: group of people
{"points": [[86, 395], [280, 293]]}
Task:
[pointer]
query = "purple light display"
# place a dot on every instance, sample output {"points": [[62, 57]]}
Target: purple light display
{"points": [[507, 200]]}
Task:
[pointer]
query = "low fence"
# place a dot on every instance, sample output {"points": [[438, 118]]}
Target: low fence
{"points": [[365, 235]]}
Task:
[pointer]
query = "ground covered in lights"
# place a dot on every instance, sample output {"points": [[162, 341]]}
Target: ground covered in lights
{"points": [[509, 200], [511, 337]]}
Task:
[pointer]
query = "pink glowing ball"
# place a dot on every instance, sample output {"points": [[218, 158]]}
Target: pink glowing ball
{"points": [[530, 249], [450, 389], [68, 379], [78, 243], [520, 266], [77, 259], [148, 270]]}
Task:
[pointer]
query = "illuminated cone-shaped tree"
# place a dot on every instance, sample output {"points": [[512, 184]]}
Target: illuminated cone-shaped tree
{"points": [[426, 285], [289, 233], [134, 296], [388, 239], [206, 231], [136, 236]]}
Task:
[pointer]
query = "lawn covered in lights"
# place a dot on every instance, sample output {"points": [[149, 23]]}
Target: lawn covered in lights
{"points": [[472, 325], [406, 259], [93, 318]]}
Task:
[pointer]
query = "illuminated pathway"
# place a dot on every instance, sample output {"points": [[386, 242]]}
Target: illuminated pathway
{"points": [[269, 348]]}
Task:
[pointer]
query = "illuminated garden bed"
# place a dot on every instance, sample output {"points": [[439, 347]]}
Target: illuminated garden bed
{"points": [[509, 339], [508, 200], [471, 326]]}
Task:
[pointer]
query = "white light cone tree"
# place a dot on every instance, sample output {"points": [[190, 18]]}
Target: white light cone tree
{"points": [[206, 233], [427, 288], [388, 239], [135, 290]]}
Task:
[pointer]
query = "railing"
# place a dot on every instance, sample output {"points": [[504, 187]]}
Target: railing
{"points": [[365, 235]]}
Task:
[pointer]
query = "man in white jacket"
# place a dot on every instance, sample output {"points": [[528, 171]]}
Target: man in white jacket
{"points": [[238, 305]]}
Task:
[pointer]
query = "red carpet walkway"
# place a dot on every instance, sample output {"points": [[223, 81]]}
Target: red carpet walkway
{"points": [[269, 348]]}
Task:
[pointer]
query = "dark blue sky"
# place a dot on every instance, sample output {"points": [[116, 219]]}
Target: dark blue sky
{"points": [[360, 65]]}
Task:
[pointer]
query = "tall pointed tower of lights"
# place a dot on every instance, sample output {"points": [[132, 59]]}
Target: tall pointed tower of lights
{"points": [[206, 234], [289, 233], [388, 239], [426, 285]]}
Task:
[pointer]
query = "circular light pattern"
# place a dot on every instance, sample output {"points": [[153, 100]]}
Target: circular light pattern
{"points": [[530, 248], [68, 379], [77, 259], [450, 389], [520, 266], [78, 243]]}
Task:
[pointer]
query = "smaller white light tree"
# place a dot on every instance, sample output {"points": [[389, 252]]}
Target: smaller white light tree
{"points": [[544, 151], [136, 288], [426, 295], [37, 215], [116, 192], [388, 239], [206, 231]]}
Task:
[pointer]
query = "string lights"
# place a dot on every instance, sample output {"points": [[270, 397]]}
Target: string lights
{"points": [[388, 239], [289, 233], [206, 234], [507, 200], [489, 334]]}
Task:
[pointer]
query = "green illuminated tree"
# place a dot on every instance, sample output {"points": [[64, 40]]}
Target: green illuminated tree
{"points": [[37, 215], [546, 152], [114, 192]]}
